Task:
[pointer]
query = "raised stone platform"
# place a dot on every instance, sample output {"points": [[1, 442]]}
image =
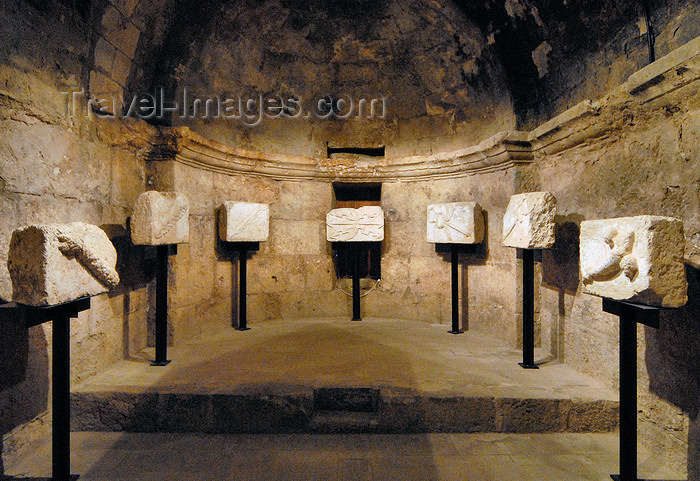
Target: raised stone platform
{"points": [[332, 375]]}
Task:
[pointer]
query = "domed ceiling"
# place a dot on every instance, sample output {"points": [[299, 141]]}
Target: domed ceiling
{"points": [[289, 76], [295, 75]]}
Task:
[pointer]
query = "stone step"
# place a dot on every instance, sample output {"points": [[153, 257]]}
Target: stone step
{"points": [[343, 422], [276, 378], [397, 411], [354, 399]]}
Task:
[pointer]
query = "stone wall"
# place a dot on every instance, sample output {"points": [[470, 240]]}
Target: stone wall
{"points": [[557, 54], [58, 168], [587, 58], [633, 152], [636, 152], [293, 275]]}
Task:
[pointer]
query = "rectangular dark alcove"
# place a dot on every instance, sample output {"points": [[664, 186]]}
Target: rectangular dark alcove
{"points": [[368, 151], [355, 195]]}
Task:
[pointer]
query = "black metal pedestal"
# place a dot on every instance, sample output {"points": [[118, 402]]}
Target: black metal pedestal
{"points": [[454, 251], [163, 252], [630, 315], [242, 249], [356, 314], [528, 310], [242, 289], [60, 398], [60, 383]]}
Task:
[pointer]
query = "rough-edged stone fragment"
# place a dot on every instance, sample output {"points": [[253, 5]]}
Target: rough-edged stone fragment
{"points": [[244, 222], [160, 218], [365, 224], [455, 223], [637, 259], [529, 221], [57, 263]]}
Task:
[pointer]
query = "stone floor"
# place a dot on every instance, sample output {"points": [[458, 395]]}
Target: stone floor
{"points": [[430, 381], [354, 457], [375, 352], [399, 358]]}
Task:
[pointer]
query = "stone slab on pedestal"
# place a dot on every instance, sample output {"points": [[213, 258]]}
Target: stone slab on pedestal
{"points": [[455, 223], [636, 259], [244, 222], [57, 263], [365, 224], [529, 221], [160, 218]]}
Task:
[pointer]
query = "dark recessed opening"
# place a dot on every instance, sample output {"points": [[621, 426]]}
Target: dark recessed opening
{"points": [[357, 194], [368, 254], [368, 151]]}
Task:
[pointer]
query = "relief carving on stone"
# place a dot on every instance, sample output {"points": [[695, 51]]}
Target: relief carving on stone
{"points": [[160, 218], [456, 223], [244, 222], [616, 257], [529, 221], [169, 220], [56, 263], [365, 224], [88, 246], [637, 259]]}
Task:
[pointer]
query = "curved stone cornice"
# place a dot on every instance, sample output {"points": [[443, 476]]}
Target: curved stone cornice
{"points": [[578, 126], [495, 153]]}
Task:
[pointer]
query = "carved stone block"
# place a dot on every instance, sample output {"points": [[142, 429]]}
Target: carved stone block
{"points": [[365, 224], [244, 222], [53, 264], [160, 218], [529, 221], [636, 259], [455, 223]]}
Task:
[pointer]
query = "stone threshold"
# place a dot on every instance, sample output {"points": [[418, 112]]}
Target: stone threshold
{"points": [[294, 412], [332, 375]]}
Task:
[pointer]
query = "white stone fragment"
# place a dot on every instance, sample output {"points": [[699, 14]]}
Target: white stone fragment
{"points": [[244, 222], [637, 259], [57, 263], [529, 221], [160, 218], [455, 223], [365, 224]]}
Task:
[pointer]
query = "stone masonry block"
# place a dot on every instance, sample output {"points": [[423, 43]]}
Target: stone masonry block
{"points": [[160, 218], [637, 259], [455, 223], [121, 68], [365, 224], [244, 222], [104, 55], [57, 263], [529, 221]]}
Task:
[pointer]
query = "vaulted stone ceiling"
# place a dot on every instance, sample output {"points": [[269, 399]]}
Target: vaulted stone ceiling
{"points": [[529, 36], [434, 67], [453, 71]]}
